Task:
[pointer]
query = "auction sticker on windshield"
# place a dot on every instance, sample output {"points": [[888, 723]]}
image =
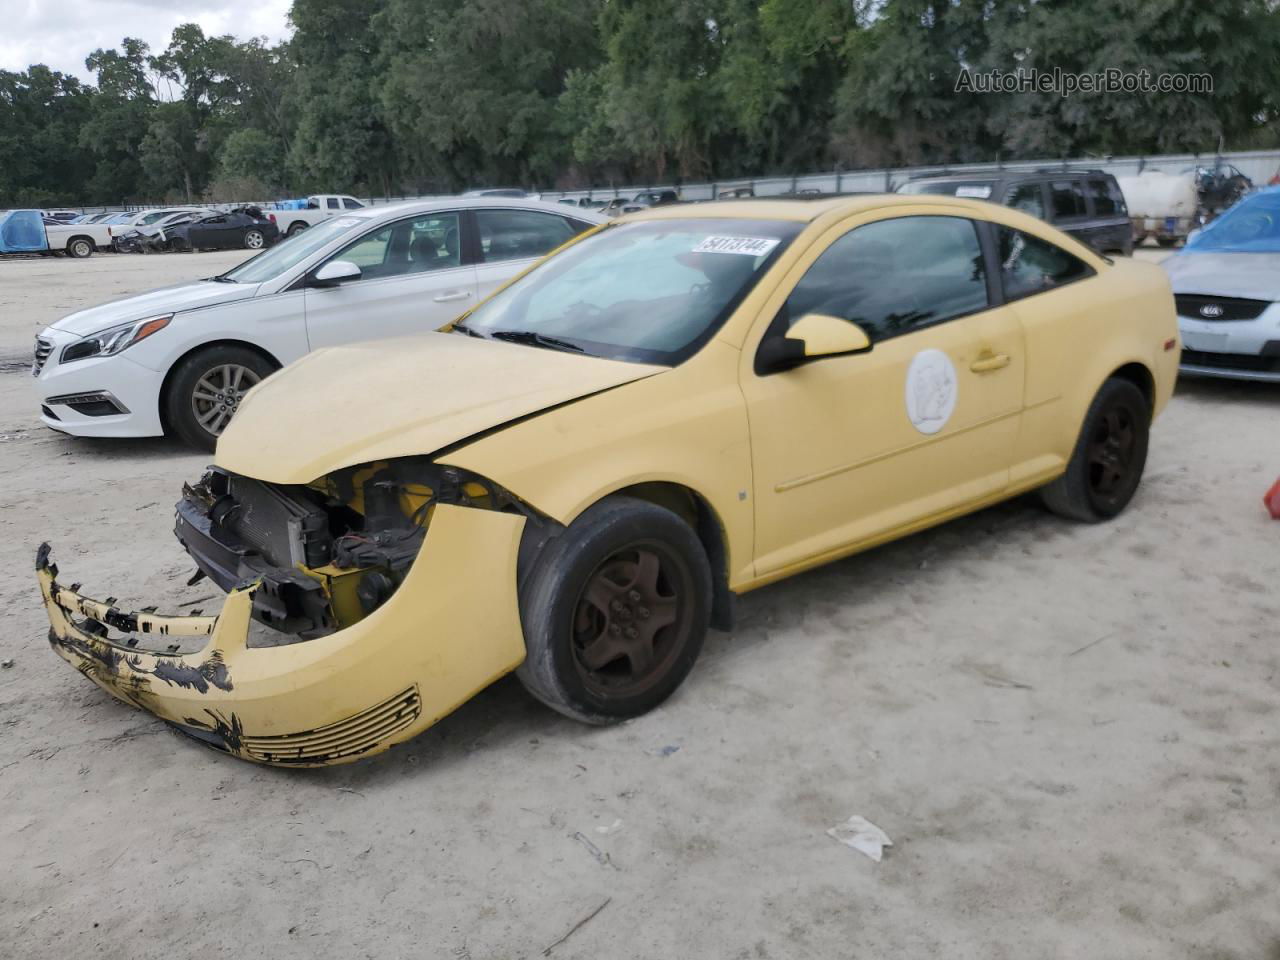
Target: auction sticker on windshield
{"points": [[748, 246]]}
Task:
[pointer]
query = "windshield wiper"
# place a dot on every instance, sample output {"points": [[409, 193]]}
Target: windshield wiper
{"points": [[536, 340], [460, 326], [220, 278]]}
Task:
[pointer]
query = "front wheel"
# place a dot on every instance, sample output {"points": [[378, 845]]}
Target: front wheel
{"points": [[1110, 455], [254, 239], [615, 612], [206, 389]]}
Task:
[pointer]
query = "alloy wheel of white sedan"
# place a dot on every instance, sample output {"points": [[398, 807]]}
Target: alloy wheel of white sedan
{"points": [[218, 394]]}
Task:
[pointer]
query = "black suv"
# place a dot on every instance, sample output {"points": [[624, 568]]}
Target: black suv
{"points": [[1087, 204]]}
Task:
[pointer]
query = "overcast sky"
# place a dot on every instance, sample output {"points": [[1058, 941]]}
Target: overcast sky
{"points": [[61, 33]]}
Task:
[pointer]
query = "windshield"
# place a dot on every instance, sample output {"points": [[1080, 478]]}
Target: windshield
{"points": [[287, 254], [1251, 226], [653, 291]]}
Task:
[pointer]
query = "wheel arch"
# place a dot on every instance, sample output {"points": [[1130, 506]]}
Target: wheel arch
{"points": [[162, 397], [1140, 375], [696, 510]]}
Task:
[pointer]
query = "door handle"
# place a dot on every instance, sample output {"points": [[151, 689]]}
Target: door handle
{"points": [[990, 362], [452, 295]]}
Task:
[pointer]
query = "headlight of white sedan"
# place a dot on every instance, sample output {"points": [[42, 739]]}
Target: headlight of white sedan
{"points": [[111, 341]]}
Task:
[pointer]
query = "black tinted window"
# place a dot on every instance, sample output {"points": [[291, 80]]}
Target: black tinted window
{"points": [[893, 276], [350, 204], [1104, 204], [332, 203], [1030, 265], [1027, 198], [1068, 199], [519, 234]]}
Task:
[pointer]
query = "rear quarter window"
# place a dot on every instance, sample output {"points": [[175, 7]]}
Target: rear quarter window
{"points": [[1029, 265]]}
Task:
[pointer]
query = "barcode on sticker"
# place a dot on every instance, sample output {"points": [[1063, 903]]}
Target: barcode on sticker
{"points": [[747, 246]]}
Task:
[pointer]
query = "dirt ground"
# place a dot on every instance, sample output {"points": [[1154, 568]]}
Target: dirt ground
{"points": [[1071, 734]]}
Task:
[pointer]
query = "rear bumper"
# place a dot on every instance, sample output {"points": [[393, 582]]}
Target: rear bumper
{"points": [[451, 629]]}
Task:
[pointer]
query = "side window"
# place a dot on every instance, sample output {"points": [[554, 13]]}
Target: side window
{"points": [[418, 245], [519, 234], [1068, 199], [895, 276], [1029, 265], [332, 203], [1104, 204], [577, 226], [1028, 198], [1117, 198], [350, 204]]}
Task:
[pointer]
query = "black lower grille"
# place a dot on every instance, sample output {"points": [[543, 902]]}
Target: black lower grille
{"points": [[48, 413], [1201, 306], [1232, 361]]}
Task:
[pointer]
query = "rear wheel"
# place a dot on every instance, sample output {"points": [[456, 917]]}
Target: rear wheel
{"points": [[80, 247], [254, 239], [1107, 463], [295, 228], [206, 389], [615, 612]]}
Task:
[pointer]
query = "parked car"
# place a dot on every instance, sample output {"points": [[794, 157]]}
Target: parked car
{"points": [[293, 217], [181, 358], [247, 228], [587, 203], [620, 205], [575, 481], [62, 216], [28, 231], [656, 198], [1226, 283], [155, 231], [1087, 204], [496, 192]]}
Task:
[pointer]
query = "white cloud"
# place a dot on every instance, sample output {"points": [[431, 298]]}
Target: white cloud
{"points": [[61, 33]]}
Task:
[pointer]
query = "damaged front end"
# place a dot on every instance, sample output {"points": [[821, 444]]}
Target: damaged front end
{"points": [[392, 587]]}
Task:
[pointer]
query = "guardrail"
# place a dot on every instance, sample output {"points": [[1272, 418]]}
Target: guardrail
{"points": [[1258, 165]]}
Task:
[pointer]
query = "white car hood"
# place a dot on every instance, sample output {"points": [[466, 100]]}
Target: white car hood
{"points": [[1252, 276], [187, 296]]}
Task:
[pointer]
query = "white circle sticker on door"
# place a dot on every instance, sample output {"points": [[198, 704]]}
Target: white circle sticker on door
{"points": [[931, 390]]}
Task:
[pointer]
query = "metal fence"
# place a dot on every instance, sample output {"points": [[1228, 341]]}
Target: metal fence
{"points": [[1258, 165]]}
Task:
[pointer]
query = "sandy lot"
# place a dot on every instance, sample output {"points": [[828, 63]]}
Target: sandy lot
{"points": [[1070, 733]]}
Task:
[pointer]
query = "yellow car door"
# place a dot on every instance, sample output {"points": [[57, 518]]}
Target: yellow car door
{"points": [[851, 449]]}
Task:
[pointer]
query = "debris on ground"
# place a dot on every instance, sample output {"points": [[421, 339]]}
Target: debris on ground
{"points": [[863, 835], [6, 663], [601, 857], [577, 926], [611, 828]]}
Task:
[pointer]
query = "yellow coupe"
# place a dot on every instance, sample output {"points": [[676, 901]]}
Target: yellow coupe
{"points": [[575, 479]]}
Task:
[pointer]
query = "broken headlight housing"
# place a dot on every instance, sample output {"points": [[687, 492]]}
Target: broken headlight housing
{"points": [[325, 554], [111, 341]]}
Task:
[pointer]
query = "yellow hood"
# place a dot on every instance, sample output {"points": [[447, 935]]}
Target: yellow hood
{"points": [[392, 398]]}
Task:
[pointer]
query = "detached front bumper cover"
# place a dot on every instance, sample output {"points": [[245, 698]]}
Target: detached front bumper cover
{"points": [[451, 629]]}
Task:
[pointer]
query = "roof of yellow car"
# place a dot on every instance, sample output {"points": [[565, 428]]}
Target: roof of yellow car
{"points": [[794, 208]]}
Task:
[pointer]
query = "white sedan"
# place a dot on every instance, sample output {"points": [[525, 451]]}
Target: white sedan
{"points": [[179, 359]]}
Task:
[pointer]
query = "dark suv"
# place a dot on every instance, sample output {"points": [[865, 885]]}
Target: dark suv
{"points": [[1087, 204]]}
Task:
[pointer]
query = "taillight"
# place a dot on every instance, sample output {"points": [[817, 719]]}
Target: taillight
{"points": [[272, 216]]}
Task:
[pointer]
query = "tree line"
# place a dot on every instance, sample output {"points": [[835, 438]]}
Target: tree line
{"points": [[399, 97]]}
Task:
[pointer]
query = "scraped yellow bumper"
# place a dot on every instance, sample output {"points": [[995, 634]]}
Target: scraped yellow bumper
{"points": [[451, 629]]}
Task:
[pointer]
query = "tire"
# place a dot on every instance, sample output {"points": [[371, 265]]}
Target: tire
{"points": [[1107, 463], [254, 239], [295, 228], [222, 374], [642, 563], [80, 248], [1167, 241]]}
